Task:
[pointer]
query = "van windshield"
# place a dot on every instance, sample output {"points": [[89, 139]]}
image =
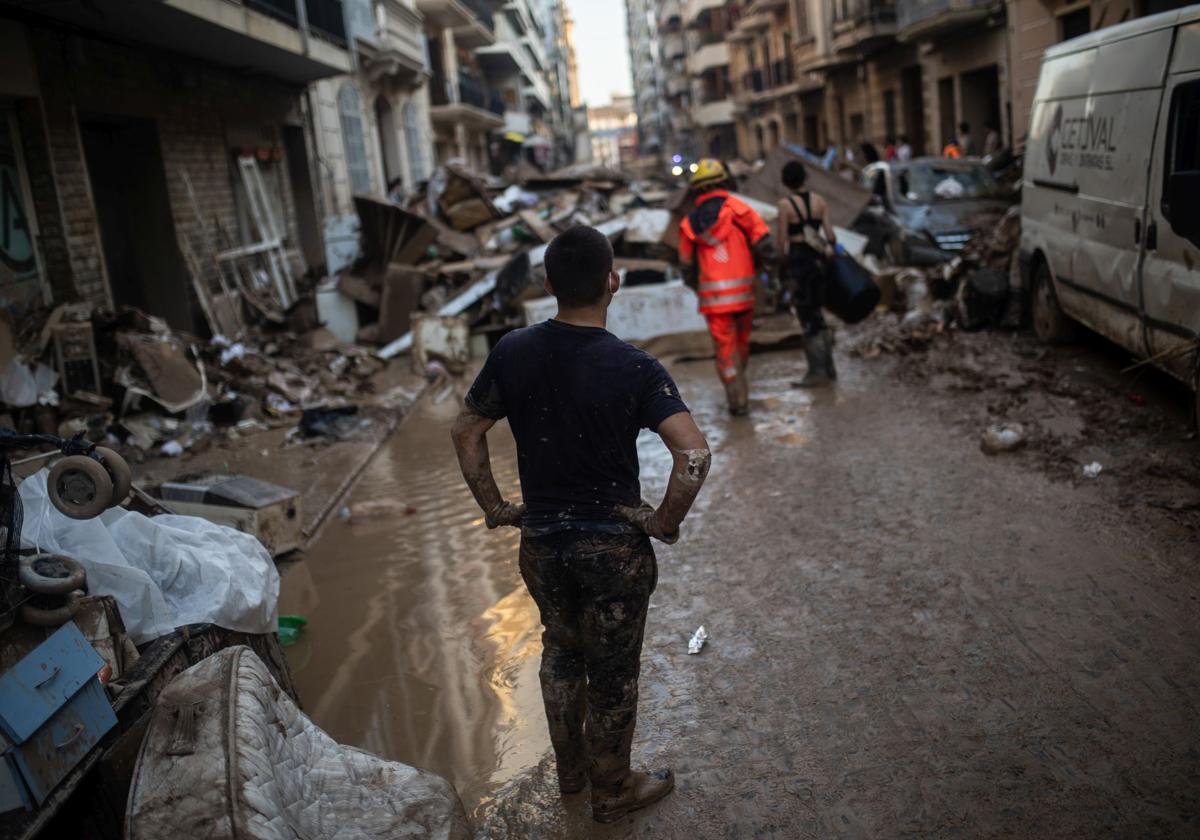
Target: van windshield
{"points": [[925, 183]]}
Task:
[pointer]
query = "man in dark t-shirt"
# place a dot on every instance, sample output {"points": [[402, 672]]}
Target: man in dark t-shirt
{"points": [[576, 397]]}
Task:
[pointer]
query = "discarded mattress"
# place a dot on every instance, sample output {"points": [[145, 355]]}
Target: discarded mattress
{"points": [[163, 572], [229, 756]]}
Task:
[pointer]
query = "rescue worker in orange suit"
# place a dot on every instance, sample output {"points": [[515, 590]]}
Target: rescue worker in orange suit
{"points": [[721, 243]]}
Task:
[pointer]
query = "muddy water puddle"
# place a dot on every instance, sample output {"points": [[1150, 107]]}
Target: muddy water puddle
{"points": [[423, 645]]}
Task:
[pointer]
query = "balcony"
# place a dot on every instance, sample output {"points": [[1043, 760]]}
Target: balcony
{"points": [[863, 24], [707, 114], [708, 57], [258, 37], [469, 102], [393, 48], [760, 84], [916, 19], [693, 10], [673, 46], [756, 7], [472, 21]]}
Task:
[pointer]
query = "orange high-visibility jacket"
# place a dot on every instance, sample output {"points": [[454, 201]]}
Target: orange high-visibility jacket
{"points": [[719, 233]]}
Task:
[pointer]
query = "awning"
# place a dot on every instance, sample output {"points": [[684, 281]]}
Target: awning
{"points": [[514, 136]]}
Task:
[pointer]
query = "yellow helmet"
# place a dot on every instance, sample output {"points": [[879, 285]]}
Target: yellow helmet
{"points": [[709, 172]]}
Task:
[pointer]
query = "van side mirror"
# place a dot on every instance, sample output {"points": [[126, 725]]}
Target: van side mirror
{"points": [[1183, 204]]}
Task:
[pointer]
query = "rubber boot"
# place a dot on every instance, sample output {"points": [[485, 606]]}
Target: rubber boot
{"points": [[565, 715], [617, 790], [735, 396], [829, 367], [817, 351]]}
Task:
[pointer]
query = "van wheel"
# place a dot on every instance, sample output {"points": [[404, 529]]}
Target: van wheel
{"points": [[1049, 322]]}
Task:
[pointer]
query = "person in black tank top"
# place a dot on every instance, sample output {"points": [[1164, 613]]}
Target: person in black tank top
{"points": [[808, 244]]}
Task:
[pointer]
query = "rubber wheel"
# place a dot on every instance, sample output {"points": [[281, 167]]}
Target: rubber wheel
{"points": [[1050, 323], [79, 487], [52, 574], [52, 617], [119, 472]]}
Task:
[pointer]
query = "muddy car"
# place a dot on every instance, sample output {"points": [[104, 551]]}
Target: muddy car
{"points": [[926, 210]]}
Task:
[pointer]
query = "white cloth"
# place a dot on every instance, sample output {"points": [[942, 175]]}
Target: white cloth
{"points": [[163, 572]]}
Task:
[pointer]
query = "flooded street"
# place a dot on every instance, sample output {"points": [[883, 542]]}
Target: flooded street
{"points": [[908, 637]]}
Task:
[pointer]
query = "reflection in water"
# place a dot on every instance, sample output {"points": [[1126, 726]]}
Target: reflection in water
{"points": [[423, 644]]}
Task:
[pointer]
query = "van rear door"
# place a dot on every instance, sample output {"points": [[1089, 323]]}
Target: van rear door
{"points": [[1171, 265]]}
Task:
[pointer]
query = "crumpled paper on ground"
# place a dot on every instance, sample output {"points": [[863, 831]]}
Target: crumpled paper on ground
{"points": [[163, 572]]}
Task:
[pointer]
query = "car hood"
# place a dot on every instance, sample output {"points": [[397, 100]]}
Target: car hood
{"points": [[970, 214]]}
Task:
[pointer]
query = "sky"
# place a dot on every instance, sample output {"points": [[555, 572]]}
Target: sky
{"points": [[601, 49]]}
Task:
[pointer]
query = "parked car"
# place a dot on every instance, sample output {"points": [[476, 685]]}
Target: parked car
{"points": [[925, 210], [1110, 213]]}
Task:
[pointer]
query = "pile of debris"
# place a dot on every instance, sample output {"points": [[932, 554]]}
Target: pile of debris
{"points": [[979, 288]]}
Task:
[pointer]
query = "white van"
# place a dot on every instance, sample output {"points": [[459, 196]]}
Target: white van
{"points": [[1110, 207]]}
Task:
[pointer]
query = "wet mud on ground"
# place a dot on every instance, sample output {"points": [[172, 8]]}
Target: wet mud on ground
{"points": [[908, 637]]}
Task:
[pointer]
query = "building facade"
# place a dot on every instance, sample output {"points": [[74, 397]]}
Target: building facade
{"points": [[614, 132], [121, 132]]}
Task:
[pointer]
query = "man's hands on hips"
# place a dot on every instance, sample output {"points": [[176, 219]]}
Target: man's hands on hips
{"points": [[504, 513], [648, 520]]}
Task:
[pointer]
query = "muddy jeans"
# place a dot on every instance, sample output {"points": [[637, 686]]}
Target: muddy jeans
{"points": [[593, 590]]}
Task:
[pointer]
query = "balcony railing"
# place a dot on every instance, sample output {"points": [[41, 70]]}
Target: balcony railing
{"points": [[483, 11], [925, 14], [864, 11], [325, 17], [760, 80]]}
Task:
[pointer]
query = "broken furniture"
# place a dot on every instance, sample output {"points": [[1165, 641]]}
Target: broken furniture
{"points": [[266, 511], [53, 711]]}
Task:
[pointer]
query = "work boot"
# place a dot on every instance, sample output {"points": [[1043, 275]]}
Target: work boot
{"points": [[829, 359], [637, 791], [617, 790], [819, 353]]}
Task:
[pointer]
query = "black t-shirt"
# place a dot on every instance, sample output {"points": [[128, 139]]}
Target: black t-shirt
{"points": [[575, 399]]}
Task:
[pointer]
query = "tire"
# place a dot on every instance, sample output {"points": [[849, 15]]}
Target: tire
{"points": [[1050, 323], [52, 574], [53, 617], [79, 487], [119, 472]]}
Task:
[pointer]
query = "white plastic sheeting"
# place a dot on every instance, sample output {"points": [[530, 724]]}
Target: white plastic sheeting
{"points": [[163, 572], [229, 756]]}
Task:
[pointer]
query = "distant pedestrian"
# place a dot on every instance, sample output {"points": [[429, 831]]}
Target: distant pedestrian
{"points": [[952, 149], [991, 139], [395, 190], [576, 397], [966, 143], [904, 152], [723, 243], [808, 236], [889, 149], [869, 152]]}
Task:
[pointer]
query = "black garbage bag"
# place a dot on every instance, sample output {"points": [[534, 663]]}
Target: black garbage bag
{"points": [[337, 422], [850, 293]]}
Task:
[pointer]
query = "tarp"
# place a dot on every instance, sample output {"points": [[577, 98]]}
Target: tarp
{"points": [[163, 572], [846, 199]]}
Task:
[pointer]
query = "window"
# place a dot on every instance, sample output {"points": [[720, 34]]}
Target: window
{"points": [[1076, 23], [412, 139], [1182, 158], [350, 114]]}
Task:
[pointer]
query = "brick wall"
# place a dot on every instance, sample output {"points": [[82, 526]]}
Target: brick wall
{"points": [[201, 112], [52, 244]]}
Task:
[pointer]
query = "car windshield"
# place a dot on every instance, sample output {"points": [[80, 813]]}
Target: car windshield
{"points": [[924, 183]]}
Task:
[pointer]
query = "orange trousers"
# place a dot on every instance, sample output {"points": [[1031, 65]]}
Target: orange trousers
{"points": [[731, 337]]}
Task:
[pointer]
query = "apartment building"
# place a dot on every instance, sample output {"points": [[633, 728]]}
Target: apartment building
{"points": [[372, 126], [465, 111], [676, 93], [709, 24], [614, 134], [121, 122], [645, 65]]}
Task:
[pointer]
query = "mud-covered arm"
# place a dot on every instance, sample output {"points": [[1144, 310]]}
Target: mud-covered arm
{"points": [[691, 459], [470, 444], [690, 462]]}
